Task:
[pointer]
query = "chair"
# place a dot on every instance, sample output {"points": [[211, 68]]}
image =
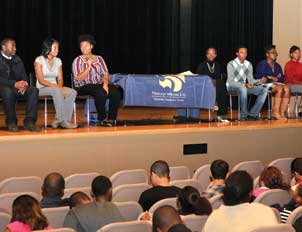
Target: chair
{"points": [[80, 180], [57, 230], [130, 210], [274, 196], [179, 173], [254, 168], [69, 191], [134, 226], [202, 175], [234, 94], [7, 199], [21, 184], [284, 165], [216, 201], [194, 222], [296, 214], [189, 182], [168, 201], [4, 220], [297, 104], [128, 192], [275, 228], [56, 216], [135, 176]]}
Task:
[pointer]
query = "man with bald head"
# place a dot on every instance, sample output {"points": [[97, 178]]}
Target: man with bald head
{"points": [[53, 191]]}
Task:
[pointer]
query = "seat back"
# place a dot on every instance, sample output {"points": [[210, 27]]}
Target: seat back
{"points": [[135, 176], [202, 175], [296, 214], [134, 226], [256, 182], [179, 173], [189, 182], [128, 192], [254, 168], [21, 184], [275, 228], [284, 165], [130, 210], [56, 216], [194, 222], [168, 201], [69, 191], [216, 201], [57, 230], [4, 220], [7, 199], [80, 180], [274, 196]]}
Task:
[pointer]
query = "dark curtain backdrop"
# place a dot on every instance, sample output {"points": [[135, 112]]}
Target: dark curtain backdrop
{"points": [[139, 36]]}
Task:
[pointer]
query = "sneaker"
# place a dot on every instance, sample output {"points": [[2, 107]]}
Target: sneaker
{"points": [[104, 123], [68, 125], [222, 120], [253, 118], [12, 128], [32, 127], [55, 124]]}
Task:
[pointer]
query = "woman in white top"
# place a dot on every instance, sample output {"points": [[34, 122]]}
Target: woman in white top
{"points": [[48, 69], [237, 214]]}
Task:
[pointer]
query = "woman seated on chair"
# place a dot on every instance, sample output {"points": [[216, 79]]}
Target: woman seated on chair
{"points": [[48, 70], [270, 178], [27, 216], [293, 71], [269, 71]]}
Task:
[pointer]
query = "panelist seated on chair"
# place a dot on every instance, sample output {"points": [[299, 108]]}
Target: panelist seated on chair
{"points": [[241, 80], [48, 70], [269, 71], [91, 77], [14, 85]]}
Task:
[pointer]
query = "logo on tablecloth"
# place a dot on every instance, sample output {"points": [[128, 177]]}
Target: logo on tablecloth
{"points": [[173, 82]]}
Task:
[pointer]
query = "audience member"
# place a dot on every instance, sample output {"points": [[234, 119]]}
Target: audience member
{"points": [[78, 198]]}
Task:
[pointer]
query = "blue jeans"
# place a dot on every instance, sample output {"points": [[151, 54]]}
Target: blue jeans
{"points": [[259, 91]]}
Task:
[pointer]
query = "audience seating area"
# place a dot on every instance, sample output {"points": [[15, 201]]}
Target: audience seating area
{"points": [[127, 188]]}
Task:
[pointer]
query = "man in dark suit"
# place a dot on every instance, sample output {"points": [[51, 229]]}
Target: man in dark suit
{"points": [[14, 85]]}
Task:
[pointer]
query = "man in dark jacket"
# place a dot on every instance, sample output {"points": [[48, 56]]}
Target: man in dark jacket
{"points": [[14, 85]]}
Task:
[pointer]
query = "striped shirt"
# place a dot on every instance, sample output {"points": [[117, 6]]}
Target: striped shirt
{"points": [[96, 73]]}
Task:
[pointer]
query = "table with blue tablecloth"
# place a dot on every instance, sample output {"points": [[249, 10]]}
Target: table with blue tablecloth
{"points": [[193, 91]]}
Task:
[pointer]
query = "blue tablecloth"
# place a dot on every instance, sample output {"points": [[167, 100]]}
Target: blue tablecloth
{"points": [[167, 91]]}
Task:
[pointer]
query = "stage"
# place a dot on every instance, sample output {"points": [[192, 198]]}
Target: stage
{"points": [[107, 150]]}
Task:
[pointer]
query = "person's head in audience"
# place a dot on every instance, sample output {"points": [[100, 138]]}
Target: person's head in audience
{"points": [[164, 218], [78, 198], [53, 186], [101, 189], [219, 170], [241, 53], [238, 188], [211, 54], [87, 43], [8, 47], [296, 169], [271, 53], [295, 53], [179, 228], [160, 173], [298, 195], [50, 48], [189, 201], [26, 210], [271, 177]]}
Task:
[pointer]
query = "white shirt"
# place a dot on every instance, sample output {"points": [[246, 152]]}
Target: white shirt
{"points": [[240, 218]]}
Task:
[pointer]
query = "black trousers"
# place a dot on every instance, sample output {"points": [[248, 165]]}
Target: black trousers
{"points": [[221, 97], [9, 97], [100, 96]]}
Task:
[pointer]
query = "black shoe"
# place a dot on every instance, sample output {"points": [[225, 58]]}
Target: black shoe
{"points": [[32, 127], [12, 128], [253, 118], [243, 119], [105, 123]]}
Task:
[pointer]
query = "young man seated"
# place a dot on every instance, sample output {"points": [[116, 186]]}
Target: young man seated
{"points": [[160, 180]]}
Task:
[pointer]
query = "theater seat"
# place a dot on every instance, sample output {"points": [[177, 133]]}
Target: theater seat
{"points": [[80, 180], [274, 196], [69, 191], [4, 220], [189, 182], [254, 168], [135, 176], [194, 222], [294, 216], [21, 184], [130, 210], [179, 173], [284, 165], [56, 216], [128, 192], [216, 201], [135, 226], [167, 201], [57, 230], [202, 175], [276, 228]]}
